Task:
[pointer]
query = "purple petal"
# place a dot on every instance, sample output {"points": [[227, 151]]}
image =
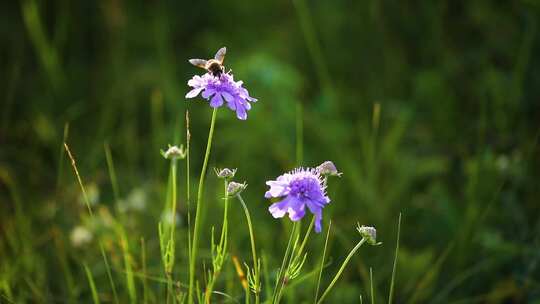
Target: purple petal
{"points": [[296, 214], [277, 189], [279, 209], [317, 211], [208, 93], [241, 113], [193, 93], [228, 97], [216, 101]]}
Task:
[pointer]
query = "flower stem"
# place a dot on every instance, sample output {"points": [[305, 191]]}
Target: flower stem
{"points": [[170, 262], [225, 225], [222, 248], [200, 190], [253, 250], [279, 280], [188, 186], [340, 271], [322, 262], [173, 210], [306, 237]]}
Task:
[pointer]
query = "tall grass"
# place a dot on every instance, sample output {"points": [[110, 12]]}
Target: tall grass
{"points": [[459, 156]]}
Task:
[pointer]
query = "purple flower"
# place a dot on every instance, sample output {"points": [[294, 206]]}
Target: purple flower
{"points": [[298, 189], [220, 89]]}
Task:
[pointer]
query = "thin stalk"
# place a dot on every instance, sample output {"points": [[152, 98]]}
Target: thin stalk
{"points": [[225, 225], [306, 237], [253, 249], [109, 274], [391, 292], [127, 265], [119, 229], [173, 209], [93, 289], [61, 158], [296, 255], [130, 280], [279, 279], [188, 186], [340, 271], [322, 262], [74, 165], [222, 247], [371, 285], [172, 245], [196, 225]]}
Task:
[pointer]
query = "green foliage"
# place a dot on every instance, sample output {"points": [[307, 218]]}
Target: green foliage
{"points": [[428, 108]]}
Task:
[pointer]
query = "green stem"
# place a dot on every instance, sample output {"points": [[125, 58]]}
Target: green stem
{"points": [[306, 237], [188, 186], [322, 263], [173, 227], [253, 250], [222, 248], [340, 271], [170, 263], [225, 225], [279, 280], [200, 190]]}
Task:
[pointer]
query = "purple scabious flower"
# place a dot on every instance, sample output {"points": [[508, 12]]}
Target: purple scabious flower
{"points": [[220, 89], [299, 188]]}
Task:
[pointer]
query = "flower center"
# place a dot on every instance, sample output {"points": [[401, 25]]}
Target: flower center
{"points": [[303, 187]]}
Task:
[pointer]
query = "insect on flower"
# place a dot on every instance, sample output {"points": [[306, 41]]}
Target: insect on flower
{"points": [[213, 66]]}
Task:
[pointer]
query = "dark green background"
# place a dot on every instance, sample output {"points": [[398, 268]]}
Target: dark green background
{"points": [[455, 148]]}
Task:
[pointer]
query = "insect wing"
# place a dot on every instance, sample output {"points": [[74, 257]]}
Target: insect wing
{"points": [[220, 55], [198, 62]]}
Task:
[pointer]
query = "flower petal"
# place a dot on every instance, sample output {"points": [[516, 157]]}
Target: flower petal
{"points": [[278, 209], [208, 93], [228, 97], [216, 101], [296, 214], [241, 112], [317, 211], [193, 93]]}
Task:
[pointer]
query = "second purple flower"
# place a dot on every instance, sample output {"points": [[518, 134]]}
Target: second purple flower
{"points": [[298, 189]]}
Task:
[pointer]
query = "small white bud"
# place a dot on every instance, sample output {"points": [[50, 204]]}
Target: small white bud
{"points": [[235, 188], [369, 233], [225, 173], [328, 168], [174, 152]]}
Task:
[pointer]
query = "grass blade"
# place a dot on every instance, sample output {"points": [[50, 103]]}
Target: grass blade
{"points": [[92, 285], [109, 274], [391, 292]]}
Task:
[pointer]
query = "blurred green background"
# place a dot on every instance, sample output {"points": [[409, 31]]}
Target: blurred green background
{"points": [[429, 108]]}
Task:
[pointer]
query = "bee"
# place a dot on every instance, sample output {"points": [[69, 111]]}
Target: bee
{"points": [[213, 66]]}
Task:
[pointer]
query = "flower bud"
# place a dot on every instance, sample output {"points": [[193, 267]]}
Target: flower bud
{"points": [[225, 173], [174, 152], [235, 188], [328, 169], [369, 233]]}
